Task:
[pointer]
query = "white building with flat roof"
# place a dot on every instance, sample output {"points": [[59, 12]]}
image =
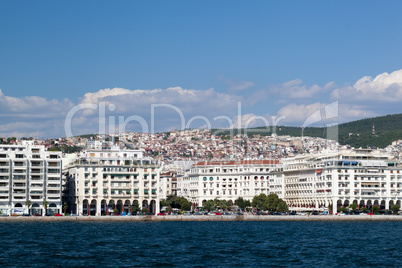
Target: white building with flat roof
{"points": [[100, 181], [30, 179], [228, 180], [362, 176]]}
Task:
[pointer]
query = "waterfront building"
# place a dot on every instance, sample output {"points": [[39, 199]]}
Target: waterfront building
{"points": [[30, 179], [168, 184], [362, 176], [102, 180], [227, 180]]}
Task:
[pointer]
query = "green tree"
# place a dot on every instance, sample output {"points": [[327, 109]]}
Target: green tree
{"points": [[342, 209], [135, 208], [240, 203], [29, 203], [282, 206], [209, 205], [45, 204], [353, 206], [395, 209], [65, 207], [259, 201], [247, 203], [376, 209], [364, 209]]}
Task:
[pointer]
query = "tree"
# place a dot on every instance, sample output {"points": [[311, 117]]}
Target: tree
{"points": [[282, 206], [135, 208], [364, 209], [259, 201], [29, 203], [376, 209], [342, 209], [395, 209], [240, 203], [209, 205], [65, 207], [353, 206], [45, 204]]}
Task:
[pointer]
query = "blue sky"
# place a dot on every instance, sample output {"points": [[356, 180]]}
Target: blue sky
{"points": [[277, 58]]}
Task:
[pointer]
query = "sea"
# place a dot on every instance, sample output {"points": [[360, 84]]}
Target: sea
{"points": [[201, 244]]}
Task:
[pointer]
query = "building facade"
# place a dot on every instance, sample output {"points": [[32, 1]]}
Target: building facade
{"points": [[30, 180], [100, 181], [228, 180], [365, 177]]}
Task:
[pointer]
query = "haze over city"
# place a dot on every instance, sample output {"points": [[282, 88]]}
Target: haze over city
{"points": [[206, 59]]}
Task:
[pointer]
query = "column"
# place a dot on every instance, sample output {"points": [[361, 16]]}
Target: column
{"points": [[98, 208], [334, 206]]}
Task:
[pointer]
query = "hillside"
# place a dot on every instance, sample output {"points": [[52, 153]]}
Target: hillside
{"points": [[356, 133]]}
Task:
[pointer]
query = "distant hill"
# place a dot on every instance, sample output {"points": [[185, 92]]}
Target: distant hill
{"points": [[356, 133]]}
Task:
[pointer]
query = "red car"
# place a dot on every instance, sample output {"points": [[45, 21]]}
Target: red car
{"points": [[218, 213], [370, 214], [58, 214], [161, 214]]}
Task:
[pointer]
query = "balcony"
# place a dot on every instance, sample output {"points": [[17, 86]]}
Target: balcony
{"points": [[36, 198], [36, 171], [36, 178]]}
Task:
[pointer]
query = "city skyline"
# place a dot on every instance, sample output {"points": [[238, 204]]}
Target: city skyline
{"points": [[274, 59]]}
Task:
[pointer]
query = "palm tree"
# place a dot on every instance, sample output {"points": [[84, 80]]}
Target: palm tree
{"points": [[65, 207], [45, 204], [29, 203]]}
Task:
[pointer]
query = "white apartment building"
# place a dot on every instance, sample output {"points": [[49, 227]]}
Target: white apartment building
{"points": [[100, 181], [228, 180], [29, 173], [362, 176]]}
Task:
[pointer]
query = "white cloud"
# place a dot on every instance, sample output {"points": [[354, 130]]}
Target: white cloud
{"points": [[296, 113], [295, 90], [384, 87], [237, 85], [250, 120]]}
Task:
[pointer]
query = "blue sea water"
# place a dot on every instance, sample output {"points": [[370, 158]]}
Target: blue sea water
{"points": [[200, 244]]}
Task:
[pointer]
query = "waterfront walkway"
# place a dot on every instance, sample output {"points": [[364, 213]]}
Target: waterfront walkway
{"points": [[207, 218]]}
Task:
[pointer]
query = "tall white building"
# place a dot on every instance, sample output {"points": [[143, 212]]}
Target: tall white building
{"points": [[362, 176], [100, 181], [29, 173], [228, 180]]}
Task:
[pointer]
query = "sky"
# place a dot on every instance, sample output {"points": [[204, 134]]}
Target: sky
{"points": [[79, 67]]}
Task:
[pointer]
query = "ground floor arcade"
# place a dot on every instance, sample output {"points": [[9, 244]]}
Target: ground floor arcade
{"points": [[103, 207]]}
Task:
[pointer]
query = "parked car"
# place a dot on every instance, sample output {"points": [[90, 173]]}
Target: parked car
{"points": [[218, 213], [26, 215], [161, 214], [370, 214], [58, 214]]}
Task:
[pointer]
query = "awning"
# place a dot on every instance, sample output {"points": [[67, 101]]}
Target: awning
{"points": [[371, 183]]}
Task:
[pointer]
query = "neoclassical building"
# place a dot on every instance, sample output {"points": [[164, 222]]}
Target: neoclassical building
{"points": [[30, 179], [362, 176], [100, 181], [228, 180]]}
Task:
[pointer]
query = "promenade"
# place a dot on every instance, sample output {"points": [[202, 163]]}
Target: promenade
{"points": [[204, 218]]}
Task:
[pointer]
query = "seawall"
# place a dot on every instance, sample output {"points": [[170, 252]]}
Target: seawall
{"points": [[203, 218]]}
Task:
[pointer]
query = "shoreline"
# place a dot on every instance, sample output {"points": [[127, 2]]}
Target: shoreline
{"points": [[202, 218]]}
